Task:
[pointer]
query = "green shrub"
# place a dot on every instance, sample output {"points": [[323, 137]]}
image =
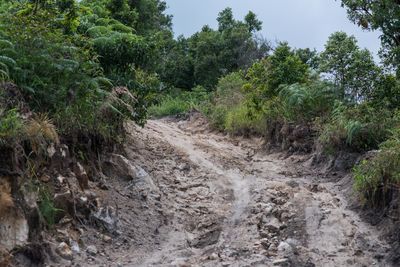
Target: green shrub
{"points": [[377, 178], [11, 125], [305, 102], [228, 96], [179, 103], [356, 128], [47, 208], [169, 106], [239, 122]]}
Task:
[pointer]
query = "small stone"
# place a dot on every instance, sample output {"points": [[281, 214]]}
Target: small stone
{"points": [[281, 262], [265, 243], [106, 238], [91, 250], [75, 247], [272, 224], [61, 179], [213, 256], [272, 247], [45, 178], [285, 249], [64, 251]]}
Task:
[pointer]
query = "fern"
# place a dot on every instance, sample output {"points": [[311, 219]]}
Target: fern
{"points": [[6, 44], [11, 63], [98, 31], [353, 128]]}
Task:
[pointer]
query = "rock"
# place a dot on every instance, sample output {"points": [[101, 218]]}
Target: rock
{"points": [[51, 150], [265, 243], [268, 209], [206, 238], [272, 247], [75, 247], [64, 251], [285, 249], [45, 178], [106, 217], [106, 238], [14, 229], [60, 179], [271, 223], [81, 176], [281, 262], [64, 203], [91, 250], [213, 256]]}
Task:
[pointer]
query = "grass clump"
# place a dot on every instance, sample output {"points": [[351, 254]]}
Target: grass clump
{"points": [[179, 103]]}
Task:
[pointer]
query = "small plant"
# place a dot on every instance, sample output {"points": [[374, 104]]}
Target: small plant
{"points": [[40, 131], [10, 125], [47, 208]]}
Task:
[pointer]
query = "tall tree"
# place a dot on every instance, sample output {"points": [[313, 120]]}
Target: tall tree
{"points": [[352, 70], [251, 21], [380, 15], [225, 19]]}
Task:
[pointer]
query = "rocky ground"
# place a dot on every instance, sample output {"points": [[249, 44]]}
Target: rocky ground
{"points": [[184, 196]]}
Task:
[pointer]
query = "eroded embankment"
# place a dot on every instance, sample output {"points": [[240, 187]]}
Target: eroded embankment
{"points": [[181, 195]]}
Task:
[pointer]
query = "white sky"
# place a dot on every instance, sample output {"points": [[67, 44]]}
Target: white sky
{"points": [[303, 23]]}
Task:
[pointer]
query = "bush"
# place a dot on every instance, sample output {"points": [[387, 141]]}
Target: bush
{"points": [[179, 103], [239, 122], [304, 102], [11, 124], [378, 178], [228, 96], [356, 128]]}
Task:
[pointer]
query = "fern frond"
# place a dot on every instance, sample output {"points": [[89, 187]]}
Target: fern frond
{"points": [[11, 63]]}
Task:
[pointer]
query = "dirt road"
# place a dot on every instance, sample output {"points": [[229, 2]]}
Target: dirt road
{"points": [[224, 202]]}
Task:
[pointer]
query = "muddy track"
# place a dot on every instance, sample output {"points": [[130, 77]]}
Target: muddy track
{"points": [[224, 202], [258, 211]]}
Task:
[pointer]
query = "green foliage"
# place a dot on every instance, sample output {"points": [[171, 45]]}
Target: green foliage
{"points": [[239, 122], [11, 125], [383, 16], [180, 103], [285, 67], [47, 208], [358, 128], [210, 54], [120, 50], [353, 70], [304, 102], [378, 177], [227, 96]]}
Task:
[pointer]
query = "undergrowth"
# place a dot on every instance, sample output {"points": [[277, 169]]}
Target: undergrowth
{"points": [[378, 179]]}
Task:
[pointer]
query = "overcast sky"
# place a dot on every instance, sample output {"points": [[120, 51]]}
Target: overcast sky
{"points": [[303, 23]]}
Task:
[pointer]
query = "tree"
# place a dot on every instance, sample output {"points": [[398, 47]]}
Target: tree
{"points": [[251, 21], [284, 68], [352, 70], [225, 19], [267, 77], [309, 57], [380, 15]]}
